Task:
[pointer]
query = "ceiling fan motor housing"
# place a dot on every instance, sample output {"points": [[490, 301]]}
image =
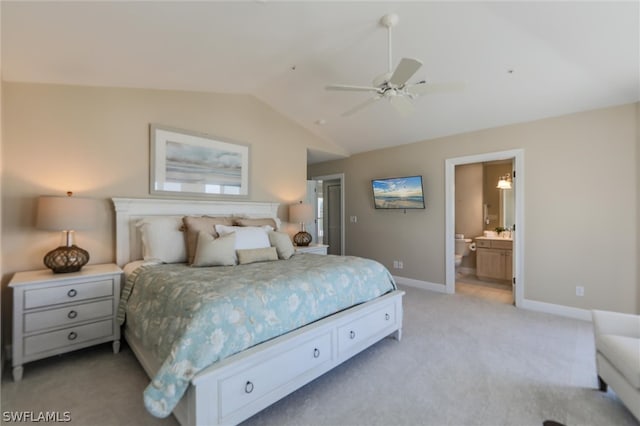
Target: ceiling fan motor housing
{"points": [[389, 20]]}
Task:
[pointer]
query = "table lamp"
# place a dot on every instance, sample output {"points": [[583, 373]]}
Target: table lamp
{"points": [[66, 214], [301, 213]]}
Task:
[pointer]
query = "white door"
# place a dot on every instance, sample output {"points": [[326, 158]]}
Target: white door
{"points": [[333, 219], [312, 198]]}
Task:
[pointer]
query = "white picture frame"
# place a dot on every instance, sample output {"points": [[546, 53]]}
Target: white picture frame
{"points": [[196, 164]]}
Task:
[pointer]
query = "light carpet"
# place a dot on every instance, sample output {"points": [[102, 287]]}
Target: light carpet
{"points": [[462, 361]]}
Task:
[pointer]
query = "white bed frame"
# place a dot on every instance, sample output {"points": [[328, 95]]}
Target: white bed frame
{"points": [[236, 388]]}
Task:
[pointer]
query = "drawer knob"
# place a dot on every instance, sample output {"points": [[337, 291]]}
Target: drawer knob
{"points": [[248, 388], [72, 293], [352, 334], [72, 336], [387, 317], [72, 314], [316, 353]]}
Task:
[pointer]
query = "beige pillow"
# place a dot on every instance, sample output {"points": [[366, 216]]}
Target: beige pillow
{"points": [[193, 225], [282, 243], [257, 255], [212, 251], [255, 222]]}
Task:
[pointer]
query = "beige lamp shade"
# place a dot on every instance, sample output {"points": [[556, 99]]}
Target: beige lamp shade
{"points": [[301, 213], [66, 213]]}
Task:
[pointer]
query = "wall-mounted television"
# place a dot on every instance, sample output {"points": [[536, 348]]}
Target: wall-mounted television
{"points": [[398, 193]]}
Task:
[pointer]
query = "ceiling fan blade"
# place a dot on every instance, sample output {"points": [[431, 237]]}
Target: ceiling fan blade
{"points": [[351, 88], [404, 71], [402, 104], [363, 105], [423, 87]]}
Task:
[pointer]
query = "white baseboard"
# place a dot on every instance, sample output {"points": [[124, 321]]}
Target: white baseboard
{"points": [[531, 305], [425, 285], [561, 310]]}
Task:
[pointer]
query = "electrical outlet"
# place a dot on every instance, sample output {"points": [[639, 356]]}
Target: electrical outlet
{"points": [[400, 264], [395, 264], [579, 290]]}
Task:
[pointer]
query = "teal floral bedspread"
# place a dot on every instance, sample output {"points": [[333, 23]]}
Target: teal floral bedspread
{"points": [[193, 317]]}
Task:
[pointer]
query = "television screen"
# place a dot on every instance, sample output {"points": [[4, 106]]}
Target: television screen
{"points": [[398, 193]]}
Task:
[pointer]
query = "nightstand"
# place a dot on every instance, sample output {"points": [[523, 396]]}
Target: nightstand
{"points": [[312, 248], [58, 313]]}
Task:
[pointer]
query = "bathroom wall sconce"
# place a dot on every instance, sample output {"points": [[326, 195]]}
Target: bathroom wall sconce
{"points": [[504, 182]]}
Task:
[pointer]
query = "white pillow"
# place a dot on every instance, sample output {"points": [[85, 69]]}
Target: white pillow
{"points": [[212, 251], [163, 239], [247, 237]]}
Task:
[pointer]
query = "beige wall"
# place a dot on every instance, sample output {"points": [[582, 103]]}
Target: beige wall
{"points": [[580, 195], [95, 142]]}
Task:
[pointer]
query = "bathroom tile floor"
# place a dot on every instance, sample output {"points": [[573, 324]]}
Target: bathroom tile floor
{"points": [[470, 285]]}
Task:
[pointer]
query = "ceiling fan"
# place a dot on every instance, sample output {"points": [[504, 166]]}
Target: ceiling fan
{"points": [[393, 85]]}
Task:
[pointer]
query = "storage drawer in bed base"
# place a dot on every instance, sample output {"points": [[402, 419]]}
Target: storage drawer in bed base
{"points": [[238, 387]]}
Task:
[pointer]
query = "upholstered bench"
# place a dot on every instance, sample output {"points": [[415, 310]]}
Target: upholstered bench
{"points": [[617, 338]]}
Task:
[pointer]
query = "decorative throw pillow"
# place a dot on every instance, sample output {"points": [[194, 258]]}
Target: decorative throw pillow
{"points": [[193, 225], [282, 243], [239, 221], [247, 237], [162, 239], [257, 255], [212, 251]]}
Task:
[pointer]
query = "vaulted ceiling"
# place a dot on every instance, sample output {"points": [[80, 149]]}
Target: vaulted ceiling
{"points": [[521, 61]]}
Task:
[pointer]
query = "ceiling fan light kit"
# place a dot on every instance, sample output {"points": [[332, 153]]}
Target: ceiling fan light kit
{"points": [[393, 85]]}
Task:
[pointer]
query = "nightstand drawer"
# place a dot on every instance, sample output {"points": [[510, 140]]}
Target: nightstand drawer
{"points": [[67, 337], [35, 321], [67, 293]]}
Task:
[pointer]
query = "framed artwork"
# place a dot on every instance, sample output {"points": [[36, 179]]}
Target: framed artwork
{"points": [[188, 163]]}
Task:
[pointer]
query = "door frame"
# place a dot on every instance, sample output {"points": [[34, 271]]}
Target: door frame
{"points": [[450, 216], [339, 176]]}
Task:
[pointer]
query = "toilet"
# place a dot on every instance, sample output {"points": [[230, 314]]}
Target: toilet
{"points": [[463, 247]]}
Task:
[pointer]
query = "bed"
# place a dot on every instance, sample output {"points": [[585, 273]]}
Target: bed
{"points": [[235, 387]]}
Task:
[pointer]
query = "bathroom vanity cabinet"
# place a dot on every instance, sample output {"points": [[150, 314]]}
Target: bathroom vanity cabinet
{"points": [[494, 259]]}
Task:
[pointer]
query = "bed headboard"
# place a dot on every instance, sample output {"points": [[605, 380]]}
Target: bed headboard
{"points": [[130, 210]]}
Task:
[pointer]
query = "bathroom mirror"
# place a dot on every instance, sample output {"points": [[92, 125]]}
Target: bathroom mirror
{"points": [[507, 208], [499, 204]]}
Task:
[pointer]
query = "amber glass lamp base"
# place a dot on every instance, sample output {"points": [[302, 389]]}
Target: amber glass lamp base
{"points": [[302, 238], [66, 259]]}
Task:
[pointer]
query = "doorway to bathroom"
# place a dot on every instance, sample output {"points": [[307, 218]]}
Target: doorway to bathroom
{"points": [[329, 202], [484, 225]]}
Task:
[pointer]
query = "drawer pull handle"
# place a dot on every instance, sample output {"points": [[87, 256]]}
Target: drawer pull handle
{"points": [[387, 317], [72, 314], [72, 293], [248, 388], [72, 336], [352, 334], [316, 353]]}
